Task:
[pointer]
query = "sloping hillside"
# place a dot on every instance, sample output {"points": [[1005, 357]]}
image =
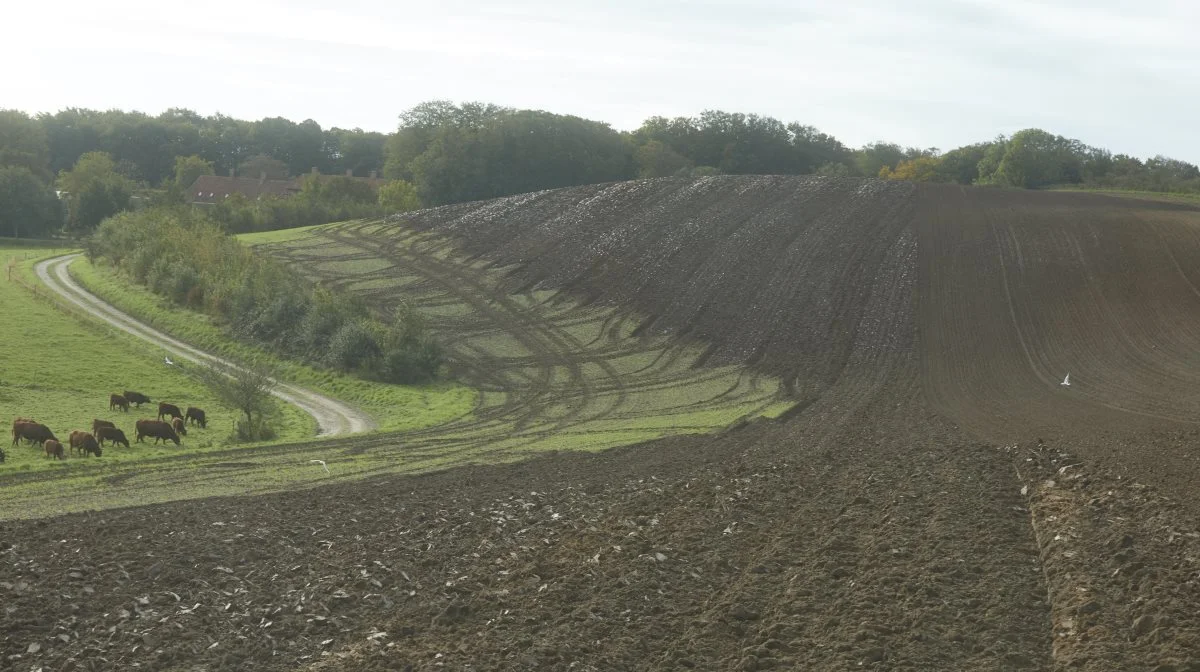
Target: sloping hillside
{"points": [[934, 500]]}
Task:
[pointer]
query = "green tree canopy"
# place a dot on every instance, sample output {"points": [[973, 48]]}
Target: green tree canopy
{"points": [[95, 191], [872, 158], [361, 152], [1034, 158], [261, 165], [814, 149], [655, 159], [452, 152], [399, 196], [517, 152], [301, 147], [337, 190], [28, 207], [421, 125], [962, 165], [23, 143], [188, 168]]}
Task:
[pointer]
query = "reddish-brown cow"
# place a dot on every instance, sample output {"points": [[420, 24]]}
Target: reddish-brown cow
{"points": [[97, 424], [18, 421], [54, 449], [118, 401], [84, 444], [32, 432], [111, 434], [75, 440], [172, 410], [178, 426]]}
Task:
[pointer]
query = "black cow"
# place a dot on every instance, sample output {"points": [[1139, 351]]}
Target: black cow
{"points": [[196, 415], [136, 398]]}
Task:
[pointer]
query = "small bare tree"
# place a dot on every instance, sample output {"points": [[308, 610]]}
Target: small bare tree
{"points": [[248, 389]]}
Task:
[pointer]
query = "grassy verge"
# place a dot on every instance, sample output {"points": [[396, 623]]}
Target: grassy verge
{"points": [[393, 407], [60, 370], [277, 236], [1190, 199]]}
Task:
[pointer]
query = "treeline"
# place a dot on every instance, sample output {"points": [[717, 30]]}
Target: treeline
{"points": [[453, 153], [1035, 159], [145, 147], [182, 254], [446, 153]]}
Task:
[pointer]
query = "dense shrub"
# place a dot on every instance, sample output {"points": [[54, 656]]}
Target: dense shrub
{"points": [[319, 202], [181, 254]]}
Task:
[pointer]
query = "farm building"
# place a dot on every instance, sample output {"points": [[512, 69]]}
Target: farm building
{"points": [[210, 189]]}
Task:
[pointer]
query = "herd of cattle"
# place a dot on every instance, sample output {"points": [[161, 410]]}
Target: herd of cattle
{"points": [[92, 443]]}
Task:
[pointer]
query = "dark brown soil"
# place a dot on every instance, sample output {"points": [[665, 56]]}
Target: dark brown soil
{"points": [[936, 502]]}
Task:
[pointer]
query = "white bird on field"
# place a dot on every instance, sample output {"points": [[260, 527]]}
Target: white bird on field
{"points": [[322, 463], [1067, 381], [168, 362]]}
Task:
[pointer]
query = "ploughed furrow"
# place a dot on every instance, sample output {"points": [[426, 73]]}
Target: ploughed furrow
{"points": [[928, 496], [1021, 289], [762, 268]]}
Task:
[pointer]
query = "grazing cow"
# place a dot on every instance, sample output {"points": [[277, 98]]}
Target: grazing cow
{"points": [[20, 421], [118, 401], [136, 398], [178, 426], [97, 424], [111, 434], [196, 415], [75, 440], [54, 449], [172, 410], [158, 429], [32, 432], [84, 444]]}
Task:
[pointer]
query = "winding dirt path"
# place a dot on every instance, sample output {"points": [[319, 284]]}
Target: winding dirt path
{"points": [[333, 417]]}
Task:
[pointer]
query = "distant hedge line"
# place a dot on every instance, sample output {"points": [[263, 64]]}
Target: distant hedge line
{"points": [[181, 254], [239, 215]]}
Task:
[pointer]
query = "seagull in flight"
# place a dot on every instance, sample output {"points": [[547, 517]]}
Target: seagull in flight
{"points": [[1067, 381], [322, 463], [168, 362]]}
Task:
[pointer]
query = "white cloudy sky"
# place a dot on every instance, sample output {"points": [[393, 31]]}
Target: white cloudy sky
{"points": [[1119, 74]]}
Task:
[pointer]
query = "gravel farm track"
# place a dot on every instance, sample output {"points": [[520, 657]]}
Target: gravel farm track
{"points": [[333, 417], [933, 500]]}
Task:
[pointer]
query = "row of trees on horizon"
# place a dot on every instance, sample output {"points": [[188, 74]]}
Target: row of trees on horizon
{"points": [[446, 153]]}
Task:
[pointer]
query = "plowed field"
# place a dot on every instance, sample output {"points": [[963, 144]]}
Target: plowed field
{"points": [[932, 498]]}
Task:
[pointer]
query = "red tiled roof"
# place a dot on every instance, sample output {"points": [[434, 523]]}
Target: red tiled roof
{"points": [[216, 188]]}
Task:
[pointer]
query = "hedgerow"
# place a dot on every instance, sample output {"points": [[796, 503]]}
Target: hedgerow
{"points": [[184, 256]]}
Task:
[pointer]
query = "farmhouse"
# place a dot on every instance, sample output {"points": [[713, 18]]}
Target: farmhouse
{"points": [[210, 189]]}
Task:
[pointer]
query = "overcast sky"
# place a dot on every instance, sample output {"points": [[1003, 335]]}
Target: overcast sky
{"points": [[1119, 74]]}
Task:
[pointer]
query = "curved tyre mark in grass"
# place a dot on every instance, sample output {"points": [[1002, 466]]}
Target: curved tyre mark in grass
{"points": [[333, 417], [553, 375]]}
